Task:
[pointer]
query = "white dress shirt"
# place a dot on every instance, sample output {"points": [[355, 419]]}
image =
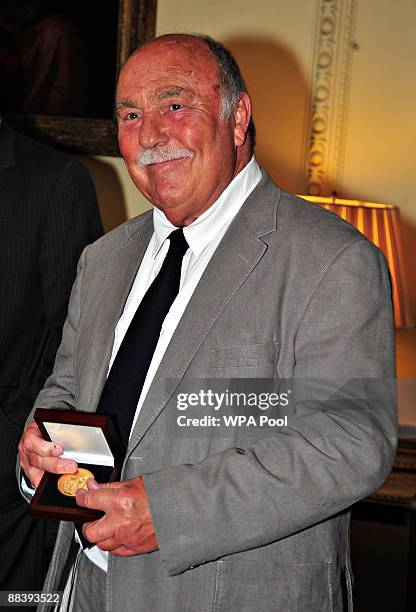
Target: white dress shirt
{"points": [[203, 237]]}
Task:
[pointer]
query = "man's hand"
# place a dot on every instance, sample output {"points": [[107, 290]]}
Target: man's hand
{"points": [[38, 456], [127, 528]]}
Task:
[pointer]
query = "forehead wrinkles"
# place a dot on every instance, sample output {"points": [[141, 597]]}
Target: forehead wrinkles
{"points": [[172, 63], [156, 88]]}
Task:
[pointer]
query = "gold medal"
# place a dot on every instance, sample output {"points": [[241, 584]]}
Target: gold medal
{"points": [[68, 484]]}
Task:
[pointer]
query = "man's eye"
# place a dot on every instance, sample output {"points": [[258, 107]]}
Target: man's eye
{"points": [[131, 116], [175, 106]]}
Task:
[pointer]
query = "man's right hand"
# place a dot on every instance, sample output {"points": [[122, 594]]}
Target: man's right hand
{"points": [[38, 456]]}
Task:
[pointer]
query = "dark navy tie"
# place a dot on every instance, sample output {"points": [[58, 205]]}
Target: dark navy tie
{"points": [[124, 384]]}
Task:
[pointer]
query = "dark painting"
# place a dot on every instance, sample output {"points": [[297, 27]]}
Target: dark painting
{"points": [[59, 62]]}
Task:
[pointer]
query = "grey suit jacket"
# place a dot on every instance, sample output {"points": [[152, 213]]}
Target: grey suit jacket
{"points": [[245, 522]]}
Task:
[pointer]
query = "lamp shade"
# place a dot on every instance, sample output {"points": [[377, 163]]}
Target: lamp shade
{"points": [[380, 224]]}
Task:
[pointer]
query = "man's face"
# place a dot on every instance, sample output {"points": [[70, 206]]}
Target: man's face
{"points": [[179, 153]]}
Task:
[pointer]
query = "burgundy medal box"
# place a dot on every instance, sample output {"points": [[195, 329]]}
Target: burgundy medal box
{"points": [[89, 439]]}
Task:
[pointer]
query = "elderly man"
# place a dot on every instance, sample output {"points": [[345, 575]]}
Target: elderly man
{"points": [[255, 283]]}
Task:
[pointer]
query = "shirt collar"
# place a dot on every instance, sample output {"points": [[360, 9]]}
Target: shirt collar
{"points": [[206, 227]]}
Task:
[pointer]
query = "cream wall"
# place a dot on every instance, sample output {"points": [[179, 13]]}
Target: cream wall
{"points": [[276, 42], [380, 162]]}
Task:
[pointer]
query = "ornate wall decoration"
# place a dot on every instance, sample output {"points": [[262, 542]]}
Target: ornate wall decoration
{"points": [[330, 86]]}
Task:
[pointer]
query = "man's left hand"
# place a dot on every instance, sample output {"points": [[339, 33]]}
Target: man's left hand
{"points": [[127, 528]]}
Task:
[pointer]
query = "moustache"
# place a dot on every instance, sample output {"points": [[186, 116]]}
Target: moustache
{"points": [[157, 156]]}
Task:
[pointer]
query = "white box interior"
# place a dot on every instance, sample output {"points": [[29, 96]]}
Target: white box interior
{"points": [[82, 443]]}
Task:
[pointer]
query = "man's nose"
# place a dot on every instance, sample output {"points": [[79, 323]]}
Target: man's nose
{"points": [[152, 130]]}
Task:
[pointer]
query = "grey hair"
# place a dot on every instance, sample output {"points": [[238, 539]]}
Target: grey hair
{"points": [[231, 83]]}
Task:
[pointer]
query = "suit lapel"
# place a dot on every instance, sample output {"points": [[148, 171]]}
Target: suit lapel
{"points": [[240, 250], [121, 271]]}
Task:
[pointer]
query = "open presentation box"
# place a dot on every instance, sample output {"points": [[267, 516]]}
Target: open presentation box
{"points": [[89, 439]]}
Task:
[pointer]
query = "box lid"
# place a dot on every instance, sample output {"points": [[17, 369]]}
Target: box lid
{"points": [[86, 437]]}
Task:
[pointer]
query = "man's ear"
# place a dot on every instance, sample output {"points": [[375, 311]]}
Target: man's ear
{"points": [[242, 117]]}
